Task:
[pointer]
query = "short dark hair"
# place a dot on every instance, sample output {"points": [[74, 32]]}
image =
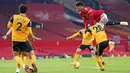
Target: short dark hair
{"points": [[79, 3], [23, 8]]}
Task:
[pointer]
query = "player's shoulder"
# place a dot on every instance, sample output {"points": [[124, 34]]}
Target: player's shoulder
{"points": [[86, 8], [28, 18], [12, 18], [88, 30], [16, 15], [89, 9], [13, 15], [82, 30]]}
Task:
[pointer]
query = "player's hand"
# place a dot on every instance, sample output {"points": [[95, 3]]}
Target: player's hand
{"points": [[4, 37], [124, 23], [67, 38], [36, 38]]}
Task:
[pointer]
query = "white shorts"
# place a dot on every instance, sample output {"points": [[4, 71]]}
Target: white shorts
{"points": [[103, 16]]}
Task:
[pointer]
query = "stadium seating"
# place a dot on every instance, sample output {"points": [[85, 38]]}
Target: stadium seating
{"points": [[56, 29]]}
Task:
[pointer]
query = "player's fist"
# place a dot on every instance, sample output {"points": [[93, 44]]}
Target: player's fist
{"points": [[67, 38], [124, 23], [4, 37]]}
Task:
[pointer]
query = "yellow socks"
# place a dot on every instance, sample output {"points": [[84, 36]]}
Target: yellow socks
{"points": [[18, 59], [101, 58], [27, 60], [76, 57], [33, 58], [99, 61], [18, 66]]}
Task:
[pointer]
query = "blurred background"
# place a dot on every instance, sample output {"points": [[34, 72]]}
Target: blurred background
{"points": [[60, 20]]}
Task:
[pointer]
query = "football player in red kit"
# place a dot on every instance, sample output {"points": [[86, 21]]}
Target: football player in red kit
{"points": [[89, 14]]}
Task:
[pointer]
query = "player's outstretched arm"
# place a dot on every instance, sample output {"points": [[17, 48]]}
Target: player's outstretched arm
{"points": [[37, 38], [7, 34], [73, 36], [32, 35]]}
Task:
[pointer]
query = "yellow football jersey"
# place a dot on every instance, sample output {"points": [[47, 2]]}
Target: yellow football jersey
{"points": [[99, 33], [86, 39], [19, 24]]}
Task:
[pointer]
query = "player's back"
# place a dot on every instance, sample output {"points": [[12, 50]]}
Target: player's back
{"points": [[86, 39], [94, 12], [88, 11], [99, 33], [19, 28]]}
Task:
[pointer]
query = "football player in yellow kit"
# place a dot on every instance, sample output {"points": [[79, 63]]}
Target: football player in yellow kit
{"points": [[20, 25], [101, 40], [87, 42]]}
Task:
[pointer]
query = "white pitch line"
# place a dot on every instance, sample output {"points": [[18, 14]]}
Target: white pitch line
{"points": [[89, 67]]}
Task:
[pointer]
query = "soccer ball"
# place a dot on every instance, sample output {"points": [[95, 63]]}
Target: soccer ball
{"points": [[76, 65]]}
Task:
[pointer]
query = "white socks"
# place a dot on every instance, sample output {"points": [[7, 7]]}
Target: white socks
{"points": [[18, 71]]}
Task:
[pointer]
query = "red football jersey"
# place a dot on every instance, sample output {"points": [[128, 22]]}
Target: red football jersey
{"points": [[90, 14]]}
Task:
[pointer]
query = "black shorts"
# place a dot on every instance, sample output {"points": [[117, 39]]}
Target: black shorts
{"points": [[22, 46], [83, 47], [100, 47]]}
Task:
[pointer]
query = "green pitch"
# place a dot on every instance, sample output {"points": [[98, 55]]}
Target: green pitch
{"points": [[114, 65]]}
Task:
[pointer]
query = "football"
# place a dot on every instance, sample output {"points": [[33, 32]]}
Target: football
{"points": [[76, 65]]}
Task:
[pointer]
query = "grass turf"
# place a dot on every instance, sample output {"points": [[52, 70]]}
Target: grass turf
{"points": [[114, 65]]}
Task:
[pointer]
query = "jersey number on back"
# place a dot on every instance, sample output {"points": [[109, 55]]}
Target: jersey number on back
{"points": [[98, 28], [19, 26]]}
